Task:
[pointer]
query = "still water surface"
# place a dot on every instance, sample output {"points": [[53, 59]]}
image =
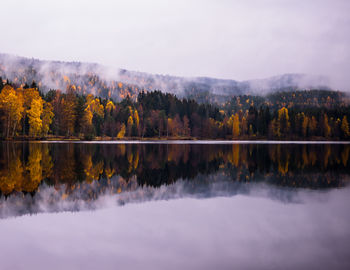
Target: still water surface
{"points": [[174, 206]]}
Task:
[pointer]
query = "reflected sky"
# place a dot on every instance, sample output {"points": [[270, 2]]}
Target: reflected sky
{"points": [[250, 231]]}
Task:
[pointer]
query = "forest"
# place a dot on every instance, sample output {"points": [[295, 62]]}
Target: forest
{"points": [[28, 113]]}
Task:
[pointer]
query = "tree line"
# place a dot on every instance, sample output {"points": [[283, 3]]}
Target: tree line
{"points": [[25, 112]]}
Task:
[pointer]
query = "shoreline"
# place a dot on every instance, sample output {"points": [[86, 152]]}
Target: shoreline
{"points": [[176, 140], [179, 141]]}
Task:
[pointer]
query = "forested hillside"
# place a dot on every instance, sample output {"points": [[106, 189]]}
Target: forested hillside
{"points": [[106, 82], [26, 112]]}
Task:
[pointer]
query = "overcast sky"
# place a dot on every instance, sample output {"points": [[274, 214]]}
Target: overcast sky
{"points": [[226, 39]]}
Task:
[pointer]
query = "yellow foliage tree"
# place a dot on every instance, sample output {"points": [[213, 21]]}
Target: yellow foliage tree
{"points": [[93, 106], [305, 125], [121, 133], [96, 107], [244, 125], [327, 128], [129, 125], [345, 126], [130, 121], [12, 107], [47, 117], [283, 123], [110, 106], [34, 117], [136, 118], [87, 118], [28, 95], [312, 125], [235, 126]]}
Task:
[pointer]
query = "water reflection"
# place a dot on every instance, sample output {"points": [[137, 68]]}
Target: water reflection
{"points": [[36, 177]]}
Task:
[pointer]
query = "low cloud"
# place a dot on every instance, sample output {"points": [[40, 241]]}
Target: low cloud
{"points": [[238, 40]]}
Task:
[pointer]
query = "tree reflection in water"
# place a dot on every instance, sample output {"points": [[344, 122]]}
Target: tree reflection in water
{"points": [[78, 171]]}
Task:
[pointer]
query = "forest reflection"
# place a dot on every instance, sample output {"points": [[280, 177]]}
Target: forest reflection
{"points": [[25, 166], [51, 177]]}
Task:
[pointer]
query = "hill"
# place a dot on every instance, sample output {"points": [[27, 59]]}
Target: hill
{"points": [[119, 83]]}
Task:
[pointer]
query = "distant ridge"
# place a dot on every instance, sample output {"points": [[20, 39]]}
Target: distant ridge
{"points": [[119, 83]]}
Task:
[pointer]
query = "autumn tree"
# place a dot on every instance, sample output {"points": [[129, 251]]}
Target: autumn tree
{"points": [[136, 118], [93, 109], [244, 126], [130, 123], [252, 120], [283, 123], [345, 127], [34, 116], [47, 117], [312, 125], [326, 127], [11, 106], [110, 106], [235, 126], [121, 133], [304, 126]]}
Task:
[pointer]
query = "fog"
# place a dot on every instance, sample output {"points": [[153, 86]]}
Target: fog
{"points": [[53, 200], [238, 40], [239, 232]]}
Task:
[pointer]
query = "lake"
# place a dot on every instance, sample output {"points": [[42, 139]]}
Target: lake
{"points": [[174, 205]]}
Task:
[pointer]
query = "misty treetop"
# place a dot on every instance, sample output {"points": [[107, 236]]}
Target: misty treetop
{"points": [[106, 82], [25, 112]]}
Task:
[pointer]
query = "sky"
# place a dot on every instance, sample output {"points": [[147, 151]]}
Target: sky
{"points": [[240, 40]]}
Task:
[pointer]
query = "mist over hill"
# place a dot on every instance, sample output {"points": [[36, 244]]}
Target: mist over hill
{"points": [[118, 83]]}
